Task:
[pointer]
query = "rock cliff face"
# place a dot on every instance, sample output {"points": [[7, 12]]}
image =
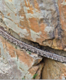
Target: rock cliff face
{"points": [[40, 21]]}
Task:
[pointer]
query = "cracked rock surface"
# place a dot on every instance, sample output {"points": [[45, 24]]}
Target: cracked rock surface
{"points": [[16, 63], [40, 21]]}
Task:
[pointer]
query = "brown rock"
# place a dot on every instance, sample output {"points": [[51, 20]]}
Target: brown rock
{"points": [[39, 72], [35, 72], [62, 11], [31, 72], [54, 70]]}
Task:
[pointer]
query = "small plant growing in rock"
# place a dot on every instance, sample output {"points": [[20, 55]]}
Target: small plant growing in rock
{"points": [[29, 52], [35, 76], [15, 47], [23, 78]]}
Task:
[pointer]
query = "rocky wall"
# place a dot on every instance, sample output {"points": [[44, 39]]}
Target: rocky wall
{"points": [[41, 21]]}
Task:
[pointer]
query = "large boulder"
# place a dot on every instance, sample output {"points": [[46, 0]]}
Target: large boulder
{"points": [[41, 21]]}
